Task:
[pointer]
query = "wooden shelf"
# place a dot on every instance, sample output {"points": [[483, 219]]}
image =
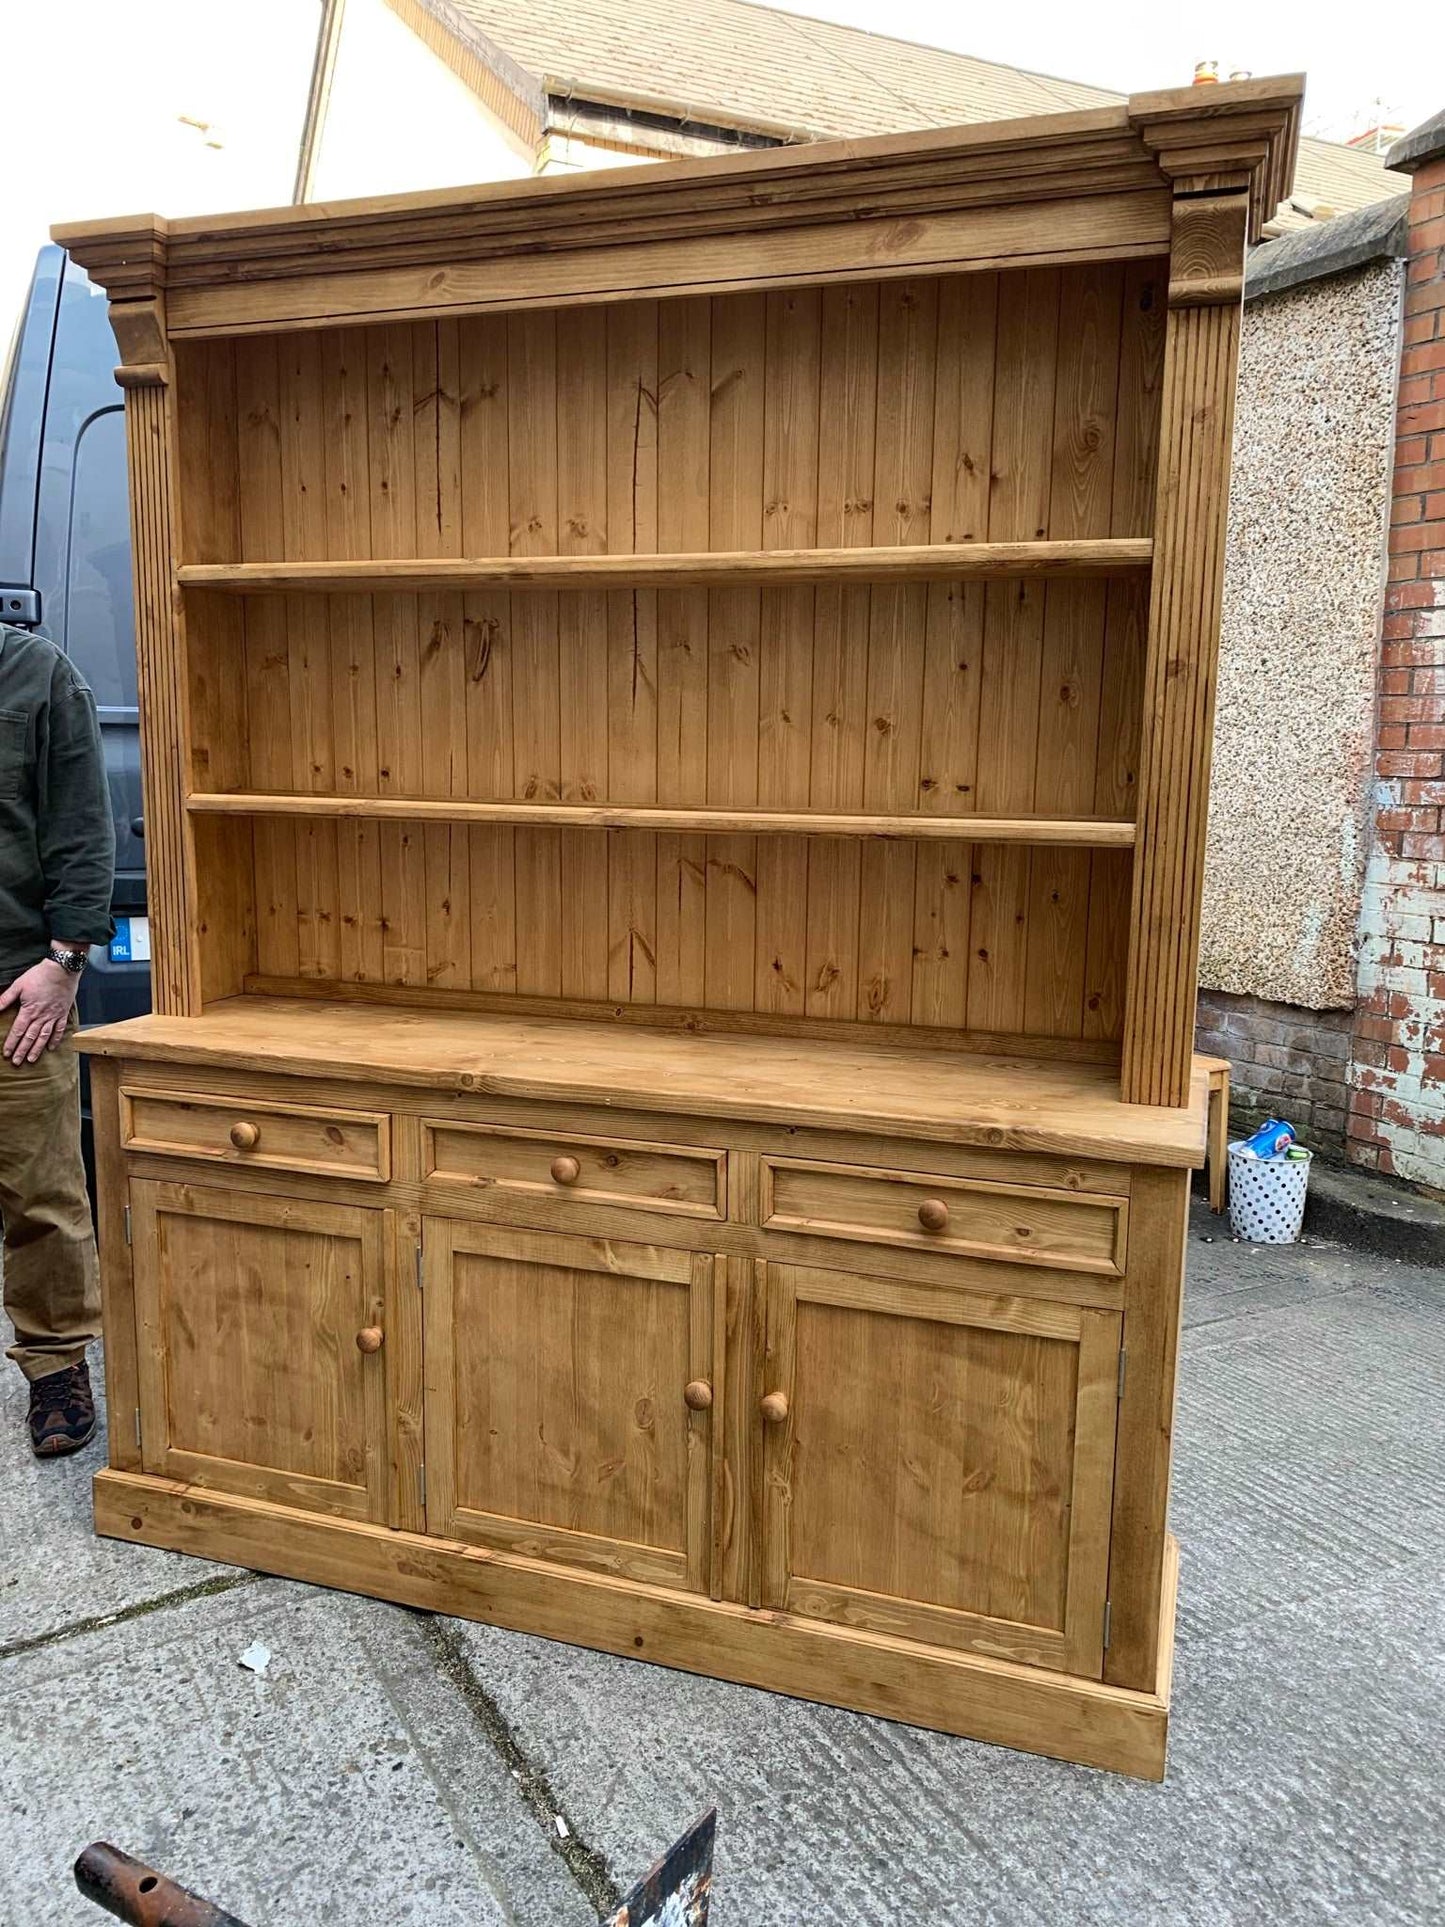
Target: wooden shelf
{"points": [[1012, 1103], [1096, 833], [762, 569]]}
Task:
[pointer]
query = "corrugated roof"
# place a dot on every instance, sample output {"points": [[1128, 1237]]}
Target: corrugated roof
{"points": [[733, 63]]}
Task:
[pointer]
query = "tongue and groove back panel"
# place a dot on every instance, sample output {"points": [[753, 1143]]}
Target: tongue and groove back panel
{"points": [[969, 407]]}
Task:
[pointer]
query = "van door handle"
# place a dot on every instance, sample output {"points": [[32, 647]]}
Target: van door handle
{"points": [[138, 826]]}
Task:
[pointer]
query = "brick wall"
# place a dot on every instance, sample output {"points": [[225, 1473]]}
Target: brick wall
{"points": [[1286, 1062], [1397, 1073]]}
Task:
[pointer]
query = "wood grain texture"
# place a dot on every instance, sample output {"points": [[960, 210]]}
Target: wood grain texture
{"points": [[1201, 353], [1015, 1103], [713, 625]]}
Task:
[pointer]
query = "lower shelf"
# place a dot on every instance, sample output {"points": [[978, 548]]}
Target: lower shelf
{"points": [[1064, 1717]]}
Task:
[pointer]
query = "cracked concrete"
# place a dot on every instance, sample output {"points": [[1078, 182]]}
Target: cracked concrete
{"points": [[392, 1767]]}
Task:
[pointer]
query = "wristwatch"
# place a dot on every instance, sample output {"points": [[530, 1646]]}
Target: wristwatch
{"points": [[72, 960]]}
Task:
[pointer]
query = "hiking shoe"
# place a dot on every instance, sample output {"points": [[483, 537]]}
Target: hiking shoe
{"points": [[62, 1412]]}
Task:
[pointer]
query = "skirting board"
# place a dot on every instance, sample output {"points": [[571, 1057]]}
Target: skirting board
{"points": [[1024, 1707]]}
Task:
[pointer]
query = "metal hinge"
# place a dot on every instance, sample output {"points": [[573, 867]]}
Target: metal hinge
{"points": [[137, 1427], [127, 1224], [1123, 1369], [421, 1486], [1108, 1618], [420, 1268]]}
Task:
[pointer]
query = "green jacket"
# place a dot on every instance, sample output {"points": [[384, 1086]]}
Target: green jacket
{"points": [[57, 837]]}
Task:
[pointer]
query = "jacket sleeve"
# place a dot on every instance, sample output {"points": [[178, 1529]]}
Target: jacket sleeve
{"points": [[74, 829]]}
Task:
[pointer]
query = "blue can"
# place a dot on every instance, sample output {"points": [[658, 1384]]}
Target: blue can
{"points": [[1271, 1140]]}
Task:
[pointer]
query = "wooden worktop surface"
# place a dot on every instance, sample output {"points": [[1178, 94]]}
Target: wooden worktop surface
{"points": [[1022, 1103]]}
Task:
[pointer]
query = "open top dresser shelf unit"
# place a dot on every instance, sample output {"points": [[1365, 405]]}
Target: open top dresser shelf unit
{"points": [[676, 708]]}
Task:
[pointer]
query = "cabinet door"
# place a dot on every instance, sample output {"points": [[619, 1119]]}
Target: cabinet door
{"points": [[571, 1399], [939, 1464], [251, 1376]]}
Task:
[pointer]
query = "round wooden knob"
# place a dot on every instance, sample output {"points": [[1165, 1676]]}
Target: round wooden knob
{"points": [[245, 1135], [566, 1170], [933, 1214], [698, 1395], [774, 1407], [370, 1339]]}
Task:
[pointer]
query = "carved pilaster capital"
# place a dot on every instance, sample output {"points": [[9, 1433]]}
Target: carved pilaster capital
{"points": [[1240, 137]]}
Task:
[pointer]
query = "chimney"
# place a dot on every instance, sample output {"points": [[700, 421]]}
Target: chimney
{"points": [[1240, 73], [1206, 73]]}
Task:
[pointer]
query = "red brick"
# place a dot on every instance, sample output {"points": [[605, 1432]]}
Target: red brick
{"points": [[1434, 447], [1395, 682], [1423, 357], [1428, 233], [1424, 268], [1419, 536], [1411, 595], [1414, 651], [1421, 327], [1406, 709], [1426, 202], [1421, 418], [1432, 848], [1424, 736], [1432, 561], [1405, 568], [1409, 763], [1405, 509], [1435, 501], [1398, 628], [1428, 682], [1424, 299], [1392, 736], [1419, 475], [1415, 388], [1365, 1103], [1414, 792], [1396, 822], [1410, 450]]}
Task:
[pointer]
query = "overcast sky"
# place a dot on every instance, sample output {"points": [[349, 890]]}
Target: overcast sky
{"points": [[95, 90]]}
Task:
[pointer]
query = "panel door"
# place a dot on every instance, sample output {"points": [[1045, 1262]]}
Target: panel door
{"points": [[253, 1311], [938, 1464], [571, 1399]]}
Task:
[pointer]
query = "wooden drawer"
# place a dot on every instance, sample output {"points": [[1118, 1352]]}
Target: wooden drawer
{"points": [[586, 1170], [270, 1135], [983, 1218]]}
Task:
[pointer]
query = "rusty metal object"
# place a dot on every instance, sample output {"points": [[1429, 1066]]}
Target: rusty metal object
{"points": [[677, 1891], [137, 1894]]}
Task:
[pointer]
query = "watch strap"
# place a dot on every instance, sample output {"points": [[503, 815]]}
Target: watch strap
{"points": [[71, 960]]}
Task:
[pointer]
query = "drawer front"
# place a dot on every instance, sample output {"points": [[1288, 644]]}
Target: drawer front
{"points": [[1021, 1224], [584, 1170], [272, 1136]]}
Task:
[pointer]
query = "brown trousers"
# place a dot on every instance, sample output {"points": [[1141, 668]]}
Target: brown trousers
{"points": [[52, 1286]]}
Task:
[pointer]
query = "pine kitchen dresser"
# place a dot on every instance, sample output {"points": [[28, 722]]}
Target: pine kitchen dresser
{"points": [[676, 708]]}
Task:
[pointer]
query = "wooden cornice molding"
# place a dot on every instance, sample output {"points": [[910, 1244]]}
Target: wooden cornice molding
{"points": [[1244, 135], [1116, 169]]}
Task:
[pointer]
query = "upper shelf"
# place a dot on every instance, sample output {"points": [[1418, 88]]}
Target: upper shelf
{"points": [[754, 568]]}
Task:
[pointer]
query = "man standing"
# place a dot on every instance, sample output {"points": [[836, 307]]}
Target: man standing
{"points": [[57, 855]]}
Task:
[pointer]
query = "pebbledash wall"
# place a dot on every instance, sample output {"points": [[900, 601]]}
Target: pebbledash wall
{"points": [[1323, 959]]}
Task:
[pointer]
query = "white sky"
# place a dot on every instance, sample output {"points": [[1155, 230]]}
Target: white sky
{"points": [[94, 89]]}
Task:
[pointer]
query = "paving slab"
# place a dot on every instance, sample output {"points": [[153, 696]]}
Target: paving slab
{"points": [[53, 1569], [346, 1784]]}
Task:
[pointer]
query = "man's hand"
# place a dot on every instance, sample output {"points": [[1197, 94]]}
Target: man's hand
{"points": [[44, 995]]}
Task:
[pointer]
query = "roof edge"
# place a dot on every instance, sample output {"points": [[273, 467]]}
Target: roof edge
{"points": [[1374, 233], [1422, 144]]}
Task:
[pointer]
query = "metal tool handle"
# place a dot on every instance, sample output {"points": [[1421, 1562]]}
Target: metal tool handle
{"points": [[137, 1894]]}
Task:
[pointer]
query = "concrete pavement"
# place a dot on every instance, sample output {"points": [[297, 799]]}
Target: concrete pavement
{"points": [[394, 1767]]}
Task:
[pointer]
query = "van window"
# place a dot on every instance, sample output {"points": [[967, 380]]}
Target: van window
{"points": [[99, 616]]}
